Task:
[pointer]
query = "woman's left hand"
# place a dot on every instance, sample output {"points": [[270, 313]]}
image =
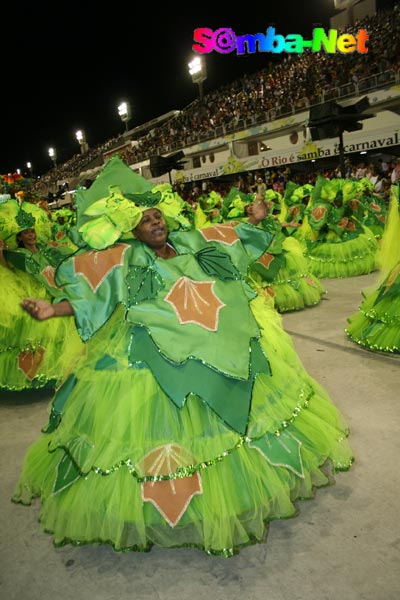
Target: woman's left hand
{"points": [[39, 309], [257, 210]]}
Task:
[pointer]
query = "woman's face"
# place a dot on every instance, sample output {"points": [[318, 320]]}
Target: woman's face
{"points": [[27, 236], [152, 229]]}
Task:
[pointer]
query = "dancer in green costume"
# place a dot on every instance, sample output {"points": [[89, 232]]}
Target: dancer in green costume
{"points": [[376, 324], [283, 272], [191, 422], [333, 232], [32, 354]]}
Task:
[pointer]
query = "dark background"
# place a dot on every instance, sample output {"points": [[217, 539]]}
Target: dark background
{"points": [[68, 67]]}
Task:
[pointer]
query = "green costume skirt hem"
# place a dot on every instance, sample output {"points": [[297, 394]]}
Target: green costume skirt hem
{"points": [[376, 324], [344, 259], [295, 287], [126, 467]]}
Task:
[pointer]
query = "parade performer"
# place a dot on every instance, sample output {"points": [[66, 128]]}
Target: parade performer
{"points": [[283, 271], [333, 232], [376, 324], [32, 354], [191, 421]]}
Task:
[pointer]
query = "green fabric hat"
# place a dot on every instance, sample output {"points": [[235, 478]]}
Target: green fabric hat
{"points": [[326, 190], [16, 217], [115, 173], [115, 202], [25, 220]]}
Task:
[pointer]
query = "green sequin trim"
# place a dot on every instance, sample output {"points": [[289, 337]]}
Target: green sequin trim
{"points": [[189, 470]]}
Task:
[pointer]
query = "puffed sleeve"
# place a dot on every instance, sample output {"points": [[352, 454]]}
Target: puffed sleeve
{"points": [[94, 283]]}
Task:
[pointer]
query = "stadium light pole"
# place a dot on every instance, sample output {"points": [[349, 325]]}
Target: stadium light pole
{"points": [[124, 111], [80, 136], [53, 155], [197, 69]]}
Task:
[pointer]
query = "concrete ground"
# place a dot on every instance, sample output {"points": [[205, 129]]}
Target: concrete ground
{"points": [[344, 544]]}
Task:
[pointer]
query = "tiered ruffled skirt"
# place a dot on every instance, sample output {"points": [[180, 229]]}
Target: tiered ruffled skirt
{"points": [[295, 287], [122, 465], [33, 354], [340, 259], [376, 324]]}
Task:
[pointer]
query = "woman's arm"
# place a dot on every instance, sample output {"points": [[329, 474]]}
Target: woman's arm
{"points": [[42, 310], [257, 210]]}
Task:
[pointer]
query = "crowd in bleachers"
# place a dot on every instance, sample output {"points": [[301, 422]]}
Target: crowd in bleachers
{"points": [[292, 84], [381, 173], [295, 83]]}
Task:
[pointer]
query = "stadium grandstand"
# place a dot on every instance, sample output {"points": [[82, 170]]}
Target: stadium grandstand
{"points": [[260, 123]]}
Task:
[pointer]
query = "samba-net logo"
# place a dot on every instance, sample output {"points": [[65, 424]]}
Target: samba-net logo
{"points": [[224, 40]]}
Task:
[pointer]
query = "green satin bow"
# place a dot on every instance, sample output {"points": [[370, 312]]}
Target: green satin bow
{"points": [[114, 216]]}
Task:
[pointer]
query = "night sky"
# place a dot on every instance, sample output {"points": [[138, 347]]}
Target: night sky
{"points": [[70, 66]]}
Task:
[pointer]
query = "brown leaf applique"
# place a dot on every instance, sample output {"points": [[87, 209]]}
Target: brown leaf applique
{"points": [[375, 207], [318, 212], [94, 266], [29, 361], [224, 234], [354, 204], [266, 259], [195, 302], [48, 274], [170, 497]]}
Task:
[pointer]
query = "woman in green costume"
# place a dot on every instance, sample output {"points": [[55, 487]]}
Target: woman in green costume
{"points": [[376, 324], [32, 354], [333, 232], [283, 272], [191, 421]]}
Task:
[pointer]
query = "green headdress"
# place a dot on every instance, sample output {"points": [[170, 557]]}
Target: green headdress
{"points": [[15, 217], [114, 216], [325, 190], [351, 188], [234, 204], [64, 212], [115, 202], [25, 220], [365, 184]]}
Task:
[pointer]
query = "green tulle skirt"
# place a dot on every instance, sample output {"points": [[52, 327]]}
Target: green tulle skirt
{"points": [[121, 464], [338, 259], [33, 354], [295, 287], [376, 324]]}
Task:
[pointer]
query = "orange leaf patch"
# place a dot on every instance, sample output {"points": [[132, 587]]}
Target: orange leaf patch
{"points": [[170, 497], [266, 259], [195, 302], [48, 274], [94, 266], [29, 361], [220, 233], [318, 212]]}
